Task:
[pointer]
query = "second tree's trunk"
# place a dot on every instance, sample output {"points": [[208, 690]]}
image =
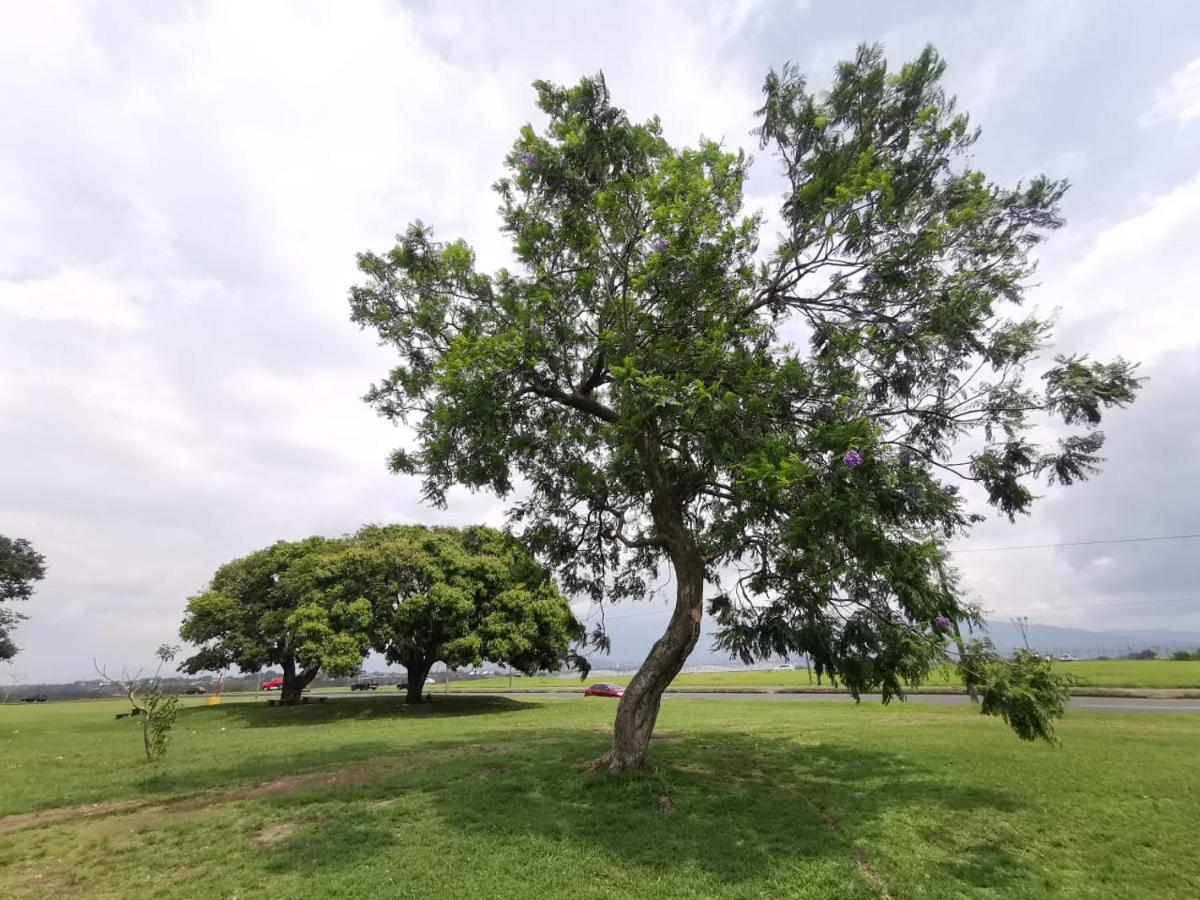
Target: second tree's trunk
{"points": [[147, 744], [417, 674], [638, 708], [294, 682]]}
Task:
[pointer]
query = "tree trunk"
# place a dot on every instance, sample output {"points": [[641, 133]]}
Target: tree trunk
{"points": [[147, 745], [638, 708], [294, 682], [417, 673]]}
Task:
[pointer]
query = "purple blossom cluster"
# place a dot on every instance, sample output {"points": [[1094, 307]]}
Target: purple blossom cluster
{"points": [[661, 245], [870, 278], [852, 458], [941, 623], [527, 159], [905, 328]]}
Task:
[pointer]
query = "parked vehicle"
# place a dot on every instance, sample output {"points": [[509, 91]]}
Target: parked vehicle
{"points": [[786, 667], [274, 684], [604, 690], [1066, 657], [35, 698], [195, 690], [364, 685]]}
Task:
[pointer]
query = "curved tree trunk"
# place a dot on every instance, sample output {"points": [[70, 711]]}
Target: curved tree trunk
{"points": [[417, 674], [638, 708], [294, 682]]}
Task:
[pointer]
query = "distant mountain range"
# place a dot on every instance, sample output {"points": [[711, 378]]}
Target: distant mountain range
{"points": [[633, 630], [1083, 643]]}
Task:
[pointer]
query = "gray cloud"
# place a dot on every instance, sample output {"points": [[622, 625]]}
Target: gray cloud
{"points": [[187, 187], [1150, 488]]}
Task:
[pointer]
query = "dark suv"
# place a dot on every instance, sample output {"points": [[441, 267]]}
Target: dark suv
{"points": [[364, 686], [35, 698]]}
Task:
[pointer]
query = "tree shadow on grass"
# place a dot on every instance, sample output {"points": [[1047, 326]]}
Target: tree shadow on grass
{"points": [[984, 866], [733, 806], [255, 770], [291, 760], [260, 715]]}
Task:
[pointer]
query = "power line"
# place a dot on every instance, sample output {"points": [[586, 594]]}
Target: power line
{"points": [[1008, 609], [653, 612], [1136, 540], [1005, 609]]}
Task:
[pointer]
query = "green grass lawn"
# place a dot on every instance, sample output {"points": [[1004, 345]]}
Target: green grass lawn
{"points": [[479, 797], [1146, 673], [1129, 673]]}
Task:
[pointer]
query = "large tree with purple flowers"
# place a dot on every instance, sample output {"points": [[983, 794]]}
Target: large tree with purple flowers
{"points": [[784, 430]]}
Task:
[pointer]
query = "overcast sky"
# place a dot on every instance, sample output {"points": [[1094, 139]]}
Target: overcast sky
{"points": [[183, 187]]}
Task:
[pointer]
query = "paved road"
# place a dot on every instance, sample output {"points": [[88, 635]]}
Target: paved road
{"points": [[1111, 704]]}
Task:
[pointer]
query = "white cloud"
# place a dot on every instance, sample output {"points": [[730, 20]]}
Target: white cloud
{"points": [[1122, 287], [180, 215], [71, 295], [1132, 290], [181, 381], [993, 51], [1178, 100]]}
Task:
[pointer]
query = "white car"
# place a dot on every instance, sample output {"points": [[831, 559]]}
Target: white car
{"points": [[1066, 657], [786, 667]]}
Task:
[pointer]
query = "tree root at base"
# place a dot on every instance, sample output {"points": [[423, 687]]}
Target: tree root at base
{"points": [[613, 763]]}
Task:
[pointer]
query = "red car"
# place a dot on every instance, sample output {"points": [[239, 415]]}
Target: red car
{"points": [[273, 685], [604, 690]]}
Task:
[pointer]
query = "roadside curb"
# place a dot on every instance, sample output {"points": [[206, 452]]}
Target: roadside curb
{"points": [[1133, 693]]}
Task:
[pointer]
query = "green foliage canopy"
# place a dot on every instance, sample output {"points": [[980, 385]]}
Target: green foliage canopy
{"points": [[458, 596], [20, 568], [270, 608], [419, 595]]}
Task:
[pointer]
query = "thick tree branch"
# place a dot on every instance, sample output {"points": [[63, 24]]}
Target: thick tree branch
{"points": [[641, 541], [589, 405]]}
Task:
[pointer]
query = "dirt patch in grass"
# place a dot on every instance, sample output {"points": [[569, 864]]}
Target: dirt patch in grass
{"points": [[907, 719], [860, 859], [275, 833], [43, 883], [50, 816], [870, 874], [361, 773]]}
